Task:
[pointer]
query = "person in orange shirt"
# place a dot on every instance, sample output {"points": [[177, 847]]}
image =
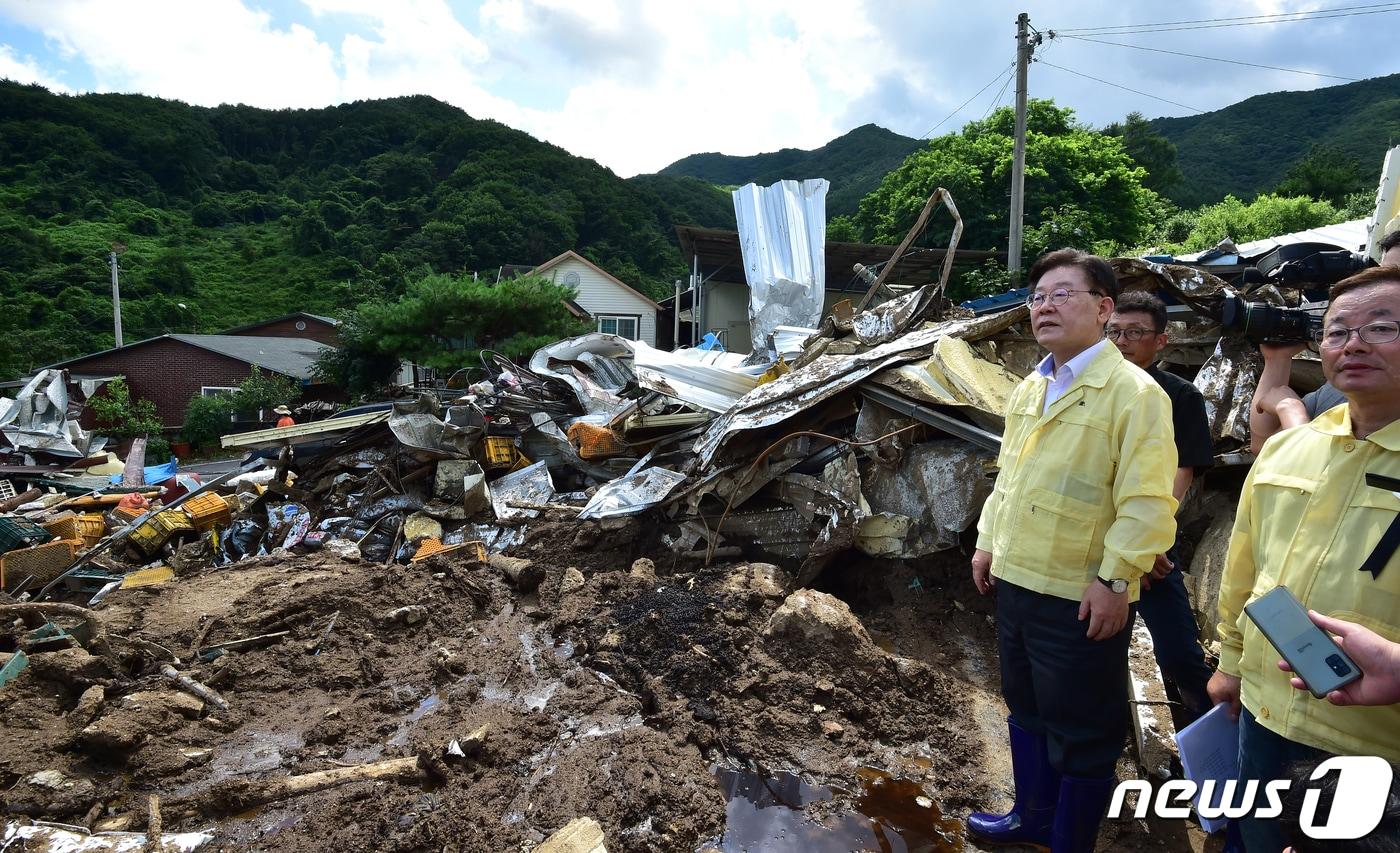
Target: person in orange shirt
{"points": [[286, 417]]}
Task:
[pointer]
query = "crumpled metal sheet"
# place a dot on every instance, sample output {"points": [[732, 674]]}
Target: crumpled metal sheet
{"points": [[416, 424], [955, 374], [1195, 287], [883, 322], [632, 494], [531, 484], [37, 418], [939, 485], [828, 375], [782, 233], [1227, 381], [602, 363]]}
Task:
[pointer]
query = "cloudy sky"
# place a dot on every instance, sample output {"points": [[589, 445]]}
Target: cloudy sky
{"points": [[637, 84]]}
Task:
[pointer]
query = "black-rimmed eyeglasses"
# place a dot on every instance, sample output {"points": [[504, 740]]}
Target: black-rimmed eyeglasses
{"points": [[1056, 297], [1336, 337], [1128, 334]]}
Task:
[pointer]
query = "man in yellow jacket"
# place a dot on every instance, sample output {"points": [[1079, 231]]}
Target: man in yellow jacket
{"points": [[1318, 514], [1081, 509]]}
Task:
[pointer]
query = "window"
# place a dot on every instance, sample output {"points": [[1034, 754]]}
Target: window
{"points": [[216, 391], [623, 327]]}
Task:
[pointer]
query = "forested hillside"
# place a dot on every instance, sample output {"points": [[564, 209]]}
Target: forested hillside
{"points": [[854, 163], [233, 214], [1247, 148]]}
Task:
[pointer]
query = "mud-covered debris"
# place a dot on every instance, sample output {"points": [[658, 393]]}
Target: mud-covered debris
{"points": [[524, 574], [832, 729], [344, 549], [817, 619], [89, 704], [470, 746], [410, 614], [183, 704], [50, 792], [571, 582], [580, 835], [644, 569], [76, 667], [763, 579]]}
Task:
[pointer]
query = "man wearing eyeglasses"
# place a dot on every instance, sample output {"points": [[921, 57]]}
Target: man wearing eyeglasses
{"points": [[1081, 508], [1275, 405], [1317, 515], [1138, 328]]}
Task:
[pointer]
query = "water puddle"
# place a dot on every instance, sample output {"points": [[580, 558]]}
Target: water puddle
{"points": [[784, 812], [428, 705]]}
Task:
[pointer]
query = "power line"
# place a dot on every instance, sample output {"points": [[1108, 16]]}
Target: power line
{"points": [[1225, 22], [1124, 88], [1265, 19], [990, 82], [997, 100], [1210, 58]]}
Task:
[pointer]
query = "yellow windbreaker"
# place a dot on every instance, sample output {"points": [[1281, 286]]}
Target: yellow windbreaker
{"points": [[1086, 488], [1308, 520]]}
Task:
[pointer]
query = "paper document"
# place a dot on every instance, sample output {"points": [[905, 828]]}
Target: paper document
{"points": [[1210, 749]]}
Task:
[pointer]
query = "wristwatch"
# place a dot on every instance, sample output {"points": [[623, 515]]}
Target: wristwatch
{"points": [[1118, 585]]}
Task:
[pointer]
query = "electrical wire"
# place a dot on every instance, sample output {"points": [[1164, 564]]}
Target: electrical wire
{"points": [[1284, 17], [997, 100], [1007, 70], [1243, 21], [1124, 88], [1210, 58]]}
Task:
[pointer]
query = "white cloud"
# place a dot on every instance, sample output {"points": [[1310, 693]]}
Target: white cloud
{"points": [[26, 70], [637, 84]]}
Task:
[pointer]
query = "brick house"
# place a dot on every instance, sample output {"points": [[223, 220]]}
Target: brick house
{"points": [[170, 370], [298, 324]]}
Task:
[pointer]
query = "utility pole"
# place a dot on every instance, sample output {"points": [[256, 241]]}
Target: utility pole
{"points": [[116, 292], [1025, 46]]}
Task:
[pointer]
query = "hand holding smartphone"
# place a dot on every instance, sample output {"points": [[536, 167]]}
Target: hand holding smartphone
{"points": [[1313, 655]]}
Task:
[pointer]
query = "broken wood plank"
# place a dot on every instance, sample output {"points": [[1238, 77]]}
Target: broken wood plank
{"points": [[194, 688], [580, 835], [235, 795]]}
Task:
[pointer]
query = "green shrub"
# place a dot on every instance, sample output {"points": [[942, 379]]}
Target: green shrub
{"points": [[207, 419]]}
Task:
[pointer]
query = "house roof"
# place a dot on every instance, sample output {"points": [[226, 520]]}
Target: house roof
{"points": [[329, 321], [721, 257], [289, 356], [572, 255]]}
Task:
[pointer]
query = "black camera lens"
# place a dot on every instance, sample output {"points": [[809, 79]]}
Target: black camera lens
{"points": [[1338, 665]]}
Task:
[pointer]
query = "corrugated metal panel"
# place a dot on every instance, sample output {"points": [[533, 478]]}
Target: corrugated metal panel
{"points": [[782, 233], [1344, 235]]}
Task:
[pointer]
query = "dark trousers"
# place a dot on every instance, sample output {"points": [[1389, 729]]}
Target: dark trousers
{"points": [[1059, 683], [1267, 756], [1166, 609]]}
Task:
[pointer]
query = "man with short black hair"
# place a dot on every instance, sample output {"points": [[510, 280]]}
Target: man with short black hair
{"points": [[1276, 406], [1318, 514], [1081, 508], [1138, 328]]}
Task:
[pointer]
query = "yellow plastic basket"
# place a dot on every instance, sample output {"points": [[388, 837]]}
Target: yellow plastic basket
{"points": [[158, 529]]}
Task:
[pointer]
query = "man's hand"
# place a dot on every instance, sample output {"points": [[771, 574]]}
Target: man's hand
{"points": [[1282, 402], [1224, 687], [1378, 658], [1161, 567], [982, 571], [1106, 610], [1277, 354]]}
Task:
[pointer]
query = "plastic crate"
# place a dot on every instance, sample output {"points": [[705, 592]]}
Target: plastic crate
{"points": [[475, 549], [497, 452], [155, 531], [596, 442], [45, 562], [207, 511], [20, 533], [126, 514], [91, 528], [7, 490], [63, 526]]}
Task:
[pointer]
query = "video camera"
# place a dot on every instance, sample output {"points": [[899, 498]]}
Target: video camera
{"points": [[1294, 265]]}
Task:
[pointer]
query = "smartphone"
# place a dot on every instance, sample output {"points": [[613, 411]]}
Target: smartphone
{"points": [[1314, 656]]}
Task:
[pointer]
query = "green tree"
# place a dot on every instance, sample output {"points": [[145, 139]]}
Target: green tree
{"points": [[1068, 168], [1266, 216], [117, 415], [1325, 174], [1150, 150]]}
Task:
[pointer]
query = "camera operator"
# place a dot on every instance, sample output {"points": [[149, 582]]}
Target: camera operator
{"points": [[1081, 508], [1309, 519], [1138, 328], [1276, 406]]}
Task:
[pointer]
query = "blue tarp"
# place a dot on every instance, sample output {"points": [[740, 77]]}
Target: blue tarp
{"points": [[154, 473]]}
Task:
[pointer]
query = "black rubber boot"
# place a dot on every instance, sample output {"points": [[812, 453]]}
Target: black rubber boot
{"points": [[1077, 815]]}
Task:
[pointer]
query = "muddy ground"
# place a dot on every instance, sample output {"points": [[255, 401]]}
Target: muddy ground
{"points": [[632, 692]]}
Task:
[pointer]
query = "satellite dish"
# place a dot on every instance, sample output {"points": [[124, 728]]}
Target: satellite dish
{"points": [[571, 278]]}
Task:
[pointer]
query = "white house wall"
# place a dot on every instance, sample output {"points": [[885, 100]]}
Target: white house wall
{"points": [[597, 295]]}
